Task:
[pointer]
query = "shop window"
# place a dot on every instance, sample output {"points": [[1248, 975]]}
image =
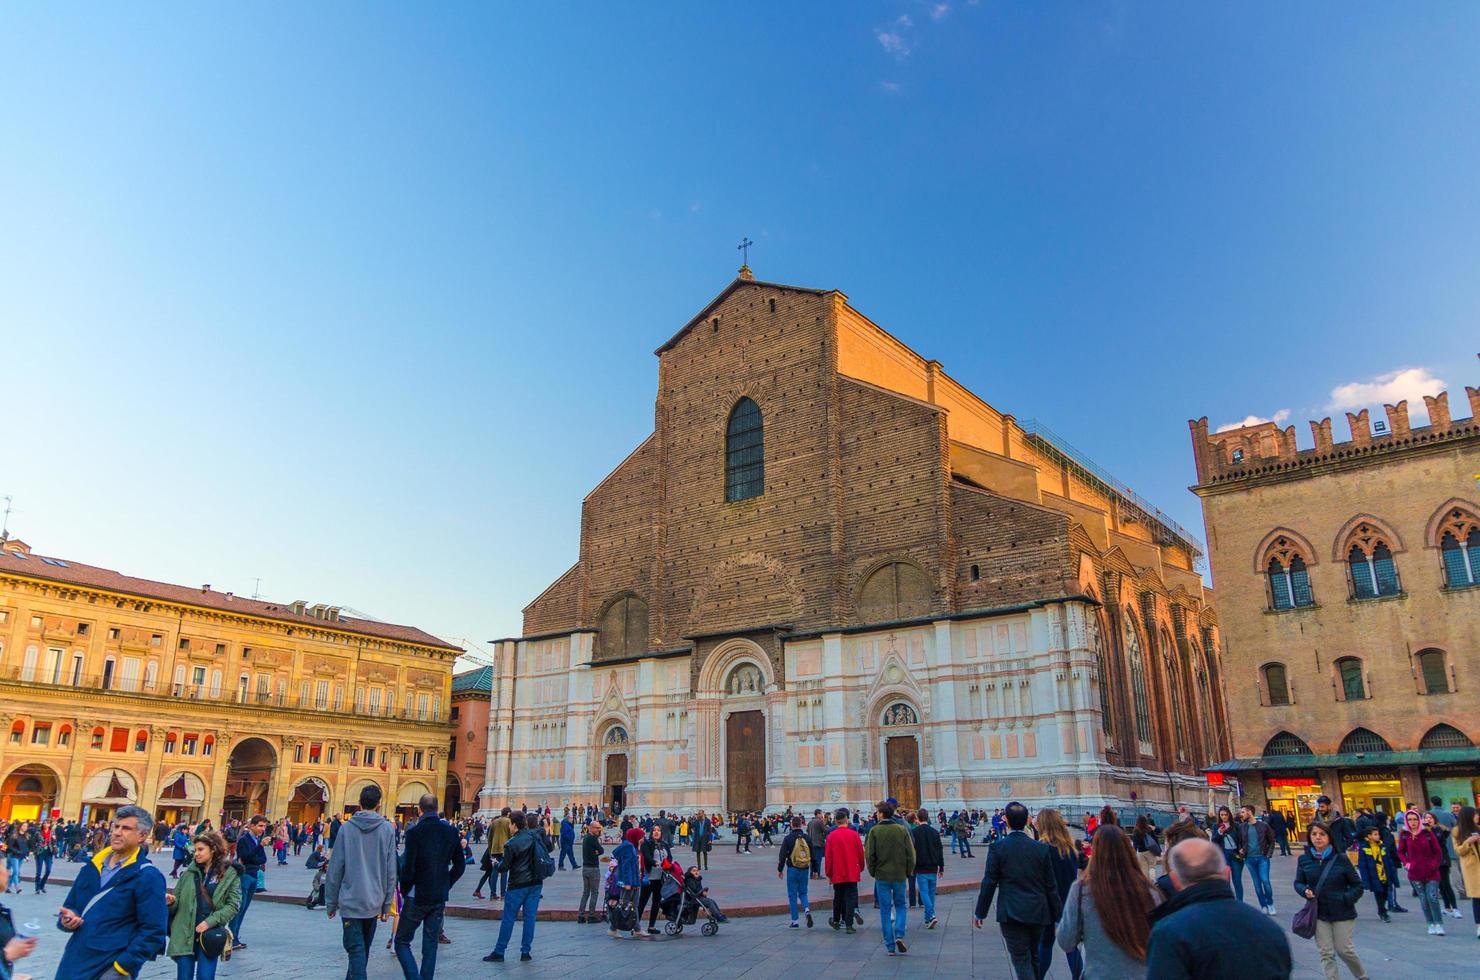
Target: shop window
{"points": [[1276, 684], [1364, 740], [1432, 668], [1286, 744], [1443, 736], [1353, 685]]}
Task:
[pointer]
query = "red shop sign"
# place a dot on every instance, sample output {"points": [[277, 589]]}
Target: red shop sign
{"points": [[1292, 783], [1215, 779]]}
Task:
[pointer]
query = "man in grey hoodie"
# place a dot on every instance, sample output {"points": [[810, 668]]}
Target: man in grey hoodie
{"points": [[362, 879]]}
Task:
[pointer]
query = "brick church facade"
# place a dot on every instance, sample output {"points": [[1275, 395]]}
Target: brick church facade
{"points": [[832, 574]]}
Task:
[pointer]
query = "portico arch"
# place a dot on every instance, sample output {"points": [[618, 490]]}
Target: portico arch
{"points": [[352, 794], [309, 800], [250, 770], [29, 792]]}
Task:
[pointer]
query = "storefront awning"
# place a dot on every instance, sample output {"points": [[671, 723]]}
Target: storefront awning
{"points": [[1349, 760]]}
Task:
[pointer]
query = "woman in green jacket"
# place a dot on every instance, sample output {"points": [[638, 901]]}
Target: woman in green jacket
{"points": [[210, 873]]}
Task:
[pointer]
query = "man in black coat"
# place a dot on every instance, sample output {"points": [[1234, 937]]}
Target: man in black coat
{"points": [[432, 863], [1022, 869], [1204, 932]]}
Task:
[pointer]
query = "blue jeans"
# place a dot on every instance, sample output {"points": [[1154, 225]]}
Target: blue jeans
{"points": [[1258, 866], [14, 864], [196, 967], [249, 888], [796, 890], [515, 899], [893, 912], [359, 934], [429, 917], [1236, 867], [1045, 955], [43, 870], [966, 846], [1428, 897], [925, 885]]}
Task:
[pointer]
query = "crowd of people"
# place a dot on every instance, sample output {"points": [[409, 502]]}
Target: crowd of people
{"points": [[1157, 899]]}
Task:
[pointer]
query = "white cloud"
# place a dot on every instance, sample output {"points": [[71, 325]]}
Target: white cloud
{"points": [[1387, 389], [895, 44], [904, 21], [939, 10], [1278, 418], [890, 87]]}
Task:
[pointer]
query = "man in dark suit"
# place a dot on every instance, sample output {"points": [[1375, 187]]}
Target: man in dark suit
{"points": [[1021, 868], [432, 863]]}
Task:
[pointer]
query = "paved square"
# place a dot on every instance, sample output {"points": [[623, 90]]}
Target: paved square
{"points": [[288, 941]]}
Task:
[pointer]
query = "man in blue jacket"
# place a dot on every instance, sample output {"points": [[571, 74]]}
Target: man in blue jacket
{"points": [[115, 911], [431, 865], [567, 842], [253, 859]]}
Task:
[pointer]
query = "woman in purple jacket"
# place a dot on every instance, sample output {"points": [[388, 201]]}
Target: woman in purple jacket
{"points": [[1421, 853]]}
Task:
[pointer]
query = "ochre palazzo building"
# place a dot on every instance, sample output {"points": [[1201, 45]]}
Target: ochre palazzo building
{"points": [[197, 703], [1348, 580], [832, 574]]}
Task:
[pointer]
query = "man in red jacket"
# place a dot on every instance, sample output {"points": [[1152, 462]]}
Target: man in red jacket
{"points": [[843, 864]]}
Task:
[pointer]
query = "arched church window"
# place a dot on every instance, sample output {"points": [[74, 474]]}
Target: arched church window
{"points": [[745, 679], [745, 452], [900, 713], [896, 590], [1138, 679], [1102, 677], [623, 629]]}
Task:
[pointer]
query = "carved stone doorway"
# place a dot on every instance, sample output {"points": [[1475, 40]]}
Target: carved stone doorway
{"points": [[745, 761], [616, 780], [902, 770]]}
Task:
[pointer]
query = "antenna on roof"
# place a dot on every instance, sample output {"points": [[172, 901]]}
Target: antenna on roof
{"points": [[257, 587], [5, 523]]}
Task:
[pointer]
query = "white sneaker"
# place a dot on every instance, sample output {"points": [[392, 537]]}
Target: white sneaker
{"points": [[1438, 930], [1431, 928], [1456, 913]]}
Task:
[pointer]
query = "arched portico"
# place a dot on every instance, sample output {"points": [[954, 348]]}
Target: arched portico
{"points": [[30, 792]]}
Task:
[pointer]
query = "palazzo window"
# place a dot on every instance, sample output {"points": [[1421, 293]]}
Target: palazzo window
{"points": [[1370, 562], [745, 450], [1433, 670], [1353, 685], [1364, 740], [1289, 583], [1276, 684], [1459, 545]]}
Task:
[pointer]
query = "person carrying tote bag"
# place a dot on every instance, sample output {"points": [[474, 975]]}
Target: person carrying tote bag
{"points": [[206, 898], [1331, 886]]}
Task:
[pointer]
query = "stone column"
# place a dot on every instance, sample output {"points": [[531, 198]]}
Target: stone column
{"points": [[70, 795], [280, 786], [337, 799], [149, 787], [220, 767], [835, 715], [393, 778]]}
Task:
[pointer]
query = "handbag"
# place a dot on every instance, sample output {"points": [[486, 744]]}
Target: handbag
{"points": [[1304, 922], [215, 941]]}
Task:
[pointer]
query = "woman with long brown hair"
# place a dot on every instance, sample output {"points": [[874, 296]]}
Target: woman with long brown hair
{"points": [[206, 897], [1106, 910], [1066, 862]]}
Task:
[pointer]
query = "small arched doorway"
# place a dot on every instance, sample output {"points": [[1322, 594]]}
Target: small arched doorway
{"points": [[615, 767], [452, 798], [309, 801], [900, 723], [31, 792], [745, 738], [249, 773]]}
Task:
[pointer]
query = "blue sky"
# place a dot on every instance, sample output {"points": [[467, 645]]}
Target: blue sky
{"points": [[361, 299]]}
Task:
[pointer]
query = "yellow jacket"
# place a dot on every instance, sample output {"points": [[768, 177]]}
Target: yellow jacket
{"points": [[1469, 865]]}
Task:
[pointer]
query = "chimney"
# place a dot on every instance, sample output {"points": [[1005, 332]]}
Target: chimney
{"points": [[206, 587]]}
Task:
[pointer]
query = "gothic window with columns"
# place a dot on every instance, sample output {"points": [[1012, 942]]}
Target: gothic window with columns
{"points": [[1369, 559]]}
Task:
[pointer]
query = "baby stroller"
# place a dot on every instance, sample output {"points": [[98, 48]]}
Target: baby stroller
{"points": [[316, 890], [681, 906]]}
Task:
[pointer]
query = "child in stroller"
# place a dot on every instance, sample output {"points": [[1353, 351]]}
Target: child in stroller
{"points": [[683, 897]]}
